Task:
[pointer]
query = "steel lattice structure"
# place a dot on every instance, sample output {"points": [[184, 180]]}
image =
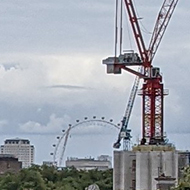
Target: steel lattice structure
{"points": [[152, 90]]}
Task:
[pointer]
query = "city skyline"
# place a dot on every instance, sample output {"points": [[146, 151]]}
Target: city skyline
{"points": [[52, 74]]}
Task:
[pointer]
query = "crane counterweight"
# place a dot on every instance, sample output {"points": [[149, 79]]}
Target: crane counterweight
{"points": [[114, 64]]}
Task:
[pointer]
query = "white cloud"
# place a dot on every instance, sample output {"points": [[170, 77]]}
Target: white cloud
{"points": [[29, 79], [55, 125]]}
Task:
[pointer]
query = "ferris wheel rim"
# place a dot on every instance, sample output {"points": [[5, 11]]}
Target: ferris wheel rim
{"points": [[66, 133]]}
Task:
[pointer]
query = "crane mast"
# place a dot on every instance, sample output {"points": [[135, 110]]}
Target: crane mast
{"points": [[152, 91]]}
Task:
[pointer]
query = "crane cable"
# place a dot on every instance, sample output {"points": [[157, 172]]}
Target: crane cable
{"points": [[121, 27], [143, 28], [118, 34], [116, 27], [129, 36]]}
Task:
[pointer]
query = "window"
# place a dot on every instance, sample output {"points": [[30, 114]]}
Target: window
{"points": [[133, 165], [133, 184]]}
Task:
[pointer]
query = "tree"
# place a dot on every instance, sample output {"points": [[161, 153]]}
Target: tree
{"points": [[51, 178], [184, 182], [31, 179], [9, 182]]}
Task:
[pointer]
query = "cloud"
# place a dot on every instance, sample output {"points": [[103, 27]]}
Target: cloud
{"points": [[51, 27], [30, 78], [54, 126], [71, 87], [3, 124]]}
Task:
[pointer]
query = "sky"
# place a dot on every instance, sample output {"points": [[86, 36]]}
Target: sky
{"points": [[51, 74]]}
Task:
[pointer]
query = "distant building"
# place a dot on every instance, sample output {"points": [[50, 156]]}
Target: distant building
{"points": [[105, 158], [8, 163], [21, 149], [49, 163], [102, 163]]}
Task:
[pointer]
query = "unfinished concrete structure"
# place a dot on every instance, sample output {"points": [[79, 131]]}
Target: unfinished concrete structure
{"points": [[139, 168], [165, 182], [153, 161], [124, 170]]}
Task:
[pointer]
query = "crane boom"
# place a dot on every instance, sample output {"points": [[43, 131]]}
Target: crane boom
{"points": [[162, 21], [131, 101], [126, 137], [136, 30]]}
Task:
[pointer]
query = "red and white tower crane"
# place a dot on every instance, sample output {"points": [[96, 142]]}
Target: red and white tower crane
{"points": [[152, 91]]}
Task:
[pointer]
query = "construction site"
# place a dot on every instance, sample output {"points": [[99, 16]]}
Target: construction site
{"points": [[154, 163]]}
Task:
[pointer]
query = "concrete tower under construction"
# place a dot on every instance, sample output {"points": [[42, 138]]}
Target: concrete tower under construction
{"points": [[147, 167]]}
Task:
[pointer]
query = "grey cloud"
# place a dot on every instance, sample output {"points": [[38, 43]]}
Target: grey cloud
{"points": [[71, 87], [9, 66], [51, 27]]}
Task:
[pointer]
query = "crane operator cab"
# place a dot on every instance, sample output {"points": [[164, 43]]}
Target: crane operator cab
{"points": [[126, 59]]}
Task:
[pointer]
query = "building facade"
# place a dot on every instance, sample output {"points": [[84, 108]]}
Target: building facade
{"points": [[102, 163], [21, 149], [8, 163]]}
